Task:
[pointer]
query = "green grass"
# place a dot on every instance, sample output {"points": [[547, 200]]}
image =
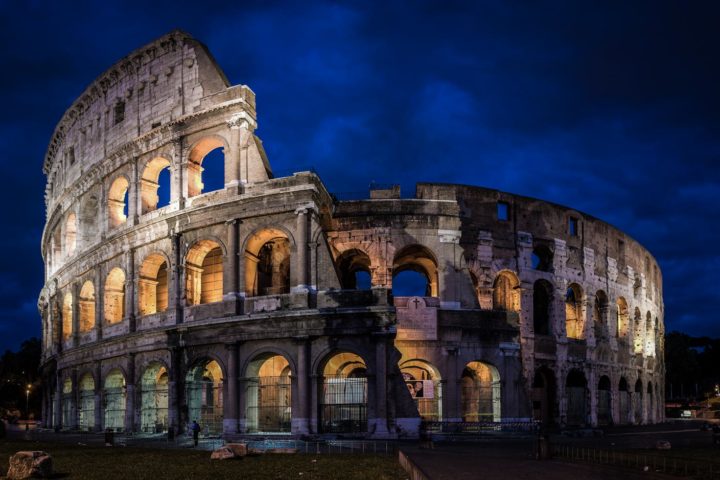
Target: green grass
{"points": [[104, 463]]}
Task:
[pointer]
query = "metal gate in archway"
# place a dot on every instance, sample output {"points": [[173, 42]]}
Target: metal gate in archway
{"points": [[343, 405], [269, 407]]}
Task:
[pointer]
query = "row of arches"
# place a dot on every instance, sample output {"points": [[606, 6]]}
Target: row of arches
{"points": [[268, 263], [644, 332], [639, 405], [155, 189], [269, 386]]}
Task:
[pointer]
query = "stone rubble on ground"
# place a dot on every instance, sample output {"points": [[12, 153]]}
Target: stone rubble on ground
{"points": [[30, 464]]}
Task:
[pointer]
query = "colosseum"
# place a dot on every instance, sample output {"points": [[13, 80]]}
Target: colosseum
{"points": [[266, 305]]}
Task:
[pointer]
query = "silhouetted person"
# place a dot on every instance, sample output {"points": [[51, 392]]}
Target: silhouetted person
{"points": [[195, 432]]}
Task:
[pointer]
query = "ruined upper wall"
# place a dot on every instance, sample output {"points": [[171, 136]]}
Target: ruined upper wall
{"points": [[475, 209], [155, 84]]}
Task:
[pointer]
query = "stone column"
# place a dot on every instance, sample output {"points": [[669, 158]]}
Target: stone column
{"points": [[177, 278], [174, 390], [301, 406], [232, 155], [178, 176], [301, 264], [451, 392], [378, 424], [230, 407], [134, 205], [102, 220], [130, 283], [130, 396], [75, 314], [98, 398], [75, 400], [593, 393], [231, 273], [58, 400], [99, 301]]}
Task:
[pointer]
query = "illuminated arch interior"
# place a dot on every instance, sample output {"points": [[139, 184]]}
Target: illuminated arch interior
{"points": [[269, 405], [150, 183], [267, 263], [87, 307], [115, 296], [204, 273], [153, 285]]}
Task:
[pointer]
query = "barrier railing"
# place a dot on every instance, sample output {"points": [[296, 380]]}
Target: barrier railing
{"points": [[647, 462]]}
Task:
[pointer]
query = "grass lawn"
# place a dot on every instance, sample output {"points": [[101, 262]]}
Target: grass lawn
{"points": [[107, 463]]}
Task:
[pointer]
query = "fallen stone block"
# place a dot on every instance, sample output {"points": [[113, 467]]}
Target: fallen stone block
{"points": [[30, 464], [222, 453], [239, 449]]}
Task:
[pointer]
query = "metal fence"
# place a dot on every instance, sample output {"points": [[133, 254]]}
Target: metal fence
{"points": [[698, 469], [455, 427]]}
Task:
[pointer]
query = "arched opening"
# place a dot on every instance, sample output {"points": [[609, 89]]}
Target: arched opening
{"points": [[267, 263], [115, 296], [154, 399], [206, 166], [637, 285], [86, 411], [204, 394], [574, 324], [343, 399], [70, 234], [354, 268], [87, 307], [600, 307], [480, 393], [88, 218], [67, 314], [117, 202], [56, 249], [506, 292], [423, 282], [542, 258], [67, 404], [576, 395], [268, 395], [624, 401], [638, 402], [650, 404], [623, 318], [423, 382], [649, 336], [153, 285], [604, 405], [638, 332], [542, 295], [204, 271], [114, 400], [543, 396], [155, 185]]}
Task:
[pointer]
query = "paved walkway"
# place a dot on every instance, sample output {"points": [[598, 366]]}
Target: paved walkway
{"points": [[507, 460]]}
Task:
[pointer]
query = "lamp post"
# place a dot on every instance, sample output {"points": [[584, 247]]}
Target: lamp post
{"points": [[27, 403]]}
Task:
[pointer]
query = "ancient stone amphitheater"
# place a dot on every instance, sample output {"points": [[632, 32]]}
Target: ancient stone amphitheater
{"points": [[268, 306]]}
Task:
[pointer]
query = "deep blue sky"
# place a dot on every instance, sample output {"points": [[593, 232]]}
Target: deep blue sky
{"points": [[611, 107]]}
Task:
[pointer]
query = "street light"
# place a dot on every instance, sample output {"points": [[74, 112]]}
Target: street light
{"points": [[27, 403]]}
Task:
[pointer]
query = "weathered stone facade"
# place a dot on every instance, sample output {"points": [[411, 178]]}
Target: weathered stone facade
{"points": [[243, 307]]}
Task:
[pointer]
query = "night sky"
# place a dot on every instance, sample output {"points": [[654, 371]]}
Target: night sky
{"points": [[612, 108]]}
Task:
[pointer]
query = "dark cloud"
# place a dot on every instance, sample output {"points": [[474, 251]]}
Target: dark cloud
{"points": [[612, 108]]}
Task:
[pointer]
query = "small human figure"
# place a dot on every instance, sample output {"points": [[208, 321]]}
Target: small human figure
{"points": [[716, 434], [195, 427], [419, 390]]}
